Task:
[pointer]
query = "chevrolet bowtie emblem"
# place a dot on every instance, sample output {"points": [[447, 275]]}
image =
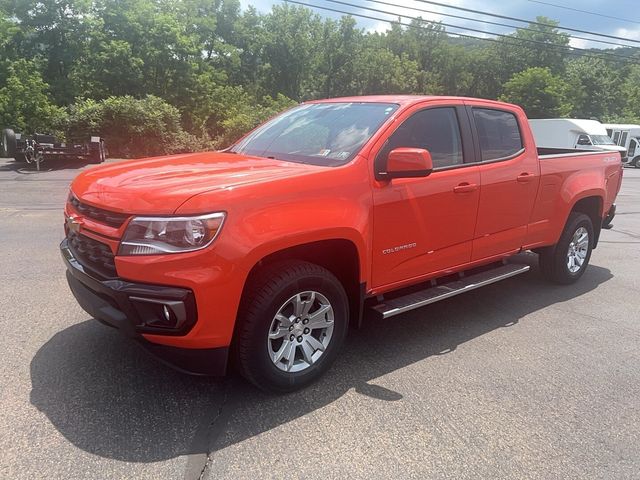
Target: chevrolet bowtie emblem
{"points": [[74, 224]]}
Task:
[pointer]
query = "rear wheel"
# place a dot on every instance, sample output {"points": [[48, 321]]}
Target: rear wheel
{"points": [[636, 162], [292, 322], [566, 261], [8, 143]]}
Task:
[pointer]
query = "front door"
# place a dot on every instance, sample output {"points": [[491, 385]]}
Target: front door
{"points": [[509, 178], [424, 225]]}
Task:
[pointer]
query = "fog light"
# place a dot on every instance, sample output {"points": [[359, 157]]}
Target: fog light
{"points": [[156, 313]]}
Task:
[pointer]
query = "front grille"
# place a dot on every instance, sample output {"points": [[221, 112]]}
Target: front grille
{"points": [[112, 219], [92, 254]]}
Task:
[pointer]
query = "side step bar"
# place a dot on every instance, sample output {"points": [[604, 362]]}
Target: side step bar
{"points": [[396, 306]]}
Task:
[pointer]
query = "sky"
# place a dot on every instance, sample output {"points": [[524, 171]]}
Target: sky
{"points": [[625, 25]]}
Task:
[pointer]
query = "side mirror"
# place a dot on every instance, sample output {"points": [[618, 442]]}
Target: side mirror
{"points": [[409, 163]]}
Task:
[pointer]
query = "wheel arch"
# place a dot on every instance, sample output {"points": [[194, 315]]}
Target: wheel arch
{"points": [[340, 256], [592, 206]]}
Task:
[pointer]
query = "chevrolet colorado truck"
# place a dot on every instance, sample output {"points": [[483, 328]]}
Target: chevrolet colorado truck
{"points": [[263, 254]]}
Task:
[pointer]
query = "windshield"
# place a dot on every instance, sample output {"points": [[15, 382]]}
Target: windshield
{"points": [[601, 140], [327, 134]]}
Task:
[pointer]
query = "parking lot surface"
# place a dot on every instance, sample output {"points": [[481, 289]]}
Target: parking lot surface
{"points": [[520, 379]]}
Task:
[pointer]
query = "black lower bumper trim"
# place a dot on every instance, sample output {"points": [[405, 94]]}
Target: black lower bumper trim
{"points": [[194, 361], [109, 301]]}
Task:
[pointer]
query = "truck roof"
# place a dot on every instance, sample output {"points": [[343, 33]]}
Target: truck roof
{"points": [[405, 99]]}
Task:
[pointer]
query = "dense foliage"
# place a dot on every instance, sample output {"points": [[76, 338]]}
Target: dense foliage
{"points": [[156, 76]]}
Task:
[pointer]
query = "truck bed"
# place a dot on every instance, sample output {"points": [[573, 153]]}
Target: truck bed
{"points": [[550, 152]]}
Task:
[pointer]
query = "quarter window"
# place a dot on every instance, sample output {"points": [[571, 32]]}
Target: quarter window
{"points": [[498, 133], [434, 129], [616, 136], [584, 140]]}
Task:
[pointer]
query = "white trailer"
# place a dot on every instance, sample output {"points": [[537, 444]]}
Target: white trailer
{"points": [[627, 136], [573, 133]]}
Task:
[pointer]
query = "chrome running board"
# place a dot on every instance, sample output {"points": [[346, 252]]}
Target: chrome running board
{"points": [[396, 306]]}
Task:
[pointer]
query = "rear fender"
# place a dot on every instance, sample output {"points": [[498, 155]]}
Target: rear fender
{"points": [[579, 186]]}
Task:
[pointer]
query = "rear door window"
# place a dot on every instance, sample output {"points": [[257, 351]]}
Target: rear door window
{"points": [[498, 133]]}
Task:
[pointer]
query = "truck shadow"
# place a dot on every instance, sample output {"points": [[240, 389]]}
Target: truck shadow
{"points": [[107, 397], [23, 168]]}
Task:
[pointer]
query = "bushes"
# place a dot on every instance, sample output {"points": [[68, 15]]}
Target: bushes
{"points": [[245, 115], [150, 126], [133, 127]]}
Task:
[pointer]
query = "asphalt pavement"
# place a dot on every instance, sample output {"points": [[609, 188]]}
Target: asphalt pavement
{"points": [[519, 380]]}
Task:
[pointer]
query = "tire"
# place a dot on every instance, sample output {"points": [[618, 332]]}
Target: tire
{"points": [[555, 261], [278, 289], [636, 162], [8, 143], [97, 154]]}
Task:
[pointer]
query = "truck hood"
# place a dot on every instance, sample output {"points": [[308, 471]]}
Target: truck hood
{"points": [[160, 185]]}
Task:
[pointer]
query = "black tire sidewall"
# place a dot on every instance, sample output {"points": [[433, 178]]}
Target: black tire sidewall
{"points": [[562, 272], [95, 155], [262, 370]]}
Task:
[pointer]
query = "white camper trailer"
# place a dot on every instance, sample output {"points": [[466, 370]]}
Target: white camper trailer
{"points": [[573, 133], [627, 136]]}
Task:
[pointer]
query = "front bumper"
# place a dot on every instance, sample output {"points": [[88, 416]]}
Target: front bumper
{"points": [[128, 306]]}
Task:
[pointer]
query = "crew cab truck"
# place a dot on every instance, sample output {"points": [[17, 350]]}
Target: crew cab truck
{"points": [[263, 254]]}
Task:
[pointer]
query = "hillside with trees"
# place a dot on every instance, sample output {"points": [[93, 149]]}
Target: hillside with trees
{"points": [[166, 76]]}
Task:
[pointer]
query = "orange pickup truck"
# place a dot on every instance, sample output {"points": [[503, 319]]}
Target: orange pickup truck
{"points": [[263, 254]]}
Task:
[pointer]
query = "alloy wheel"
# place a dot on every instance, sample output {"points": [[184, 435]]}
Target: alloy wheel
{"points": [[300, 331]]}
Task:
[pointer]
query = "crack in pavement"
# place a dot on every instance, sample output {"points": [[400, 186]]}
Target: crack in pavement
{"points": [[206, 436]]}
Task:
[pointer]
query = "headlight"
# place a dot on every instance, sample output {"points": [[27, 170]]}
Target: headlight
{"points": [[158, 235]]}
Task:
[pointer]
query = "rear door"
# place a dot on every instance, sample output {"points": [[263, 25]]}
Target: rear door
{"points": [[423, 225], [509, 179]]}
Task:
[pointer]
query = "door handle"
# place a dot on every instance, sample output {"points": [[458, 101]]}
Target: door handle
{"points": [[465, 187], [525, 177]]}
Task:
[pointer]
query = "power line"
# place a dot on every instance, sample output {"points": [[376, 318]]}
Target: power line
{"points": [[493, 23], [584, 11], [462, 35], [525, 40], [479, 12]]}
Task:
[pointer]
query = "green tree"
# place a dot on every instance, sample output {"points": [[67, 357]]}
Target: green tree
{"points": [[596, 87], [539, 92], [292, 37], [25, 103], [630, 96], [532, 46], [54, 32], [380, 71]]}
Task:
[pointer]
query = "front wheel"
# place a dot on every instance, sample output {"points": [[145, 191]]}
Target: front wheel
{"points": [[636, 162], [292, 322], [566, 261]]}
